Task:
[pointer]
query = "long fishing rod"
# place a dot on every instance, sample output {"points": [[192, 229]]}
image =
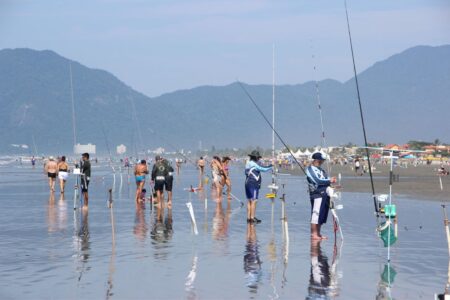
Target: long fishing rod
{"points": [[274, 172], [333, 196], [375, 202], [319, 106], [270, 124]]}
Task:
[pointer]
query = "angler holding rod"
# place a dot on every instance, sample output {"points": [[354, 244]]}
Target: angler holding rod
{"points": [[317, 178], [329, 190]]}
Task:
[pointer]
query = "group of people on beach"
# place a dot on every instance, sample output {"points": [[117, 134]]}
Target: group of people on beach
{"points": [[162, 181], [60, 168]]}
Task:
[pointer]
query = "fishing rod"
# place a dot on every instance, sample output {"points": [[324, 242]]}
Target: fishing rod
{"points": [[271, 126], [375, 201], [333, 196], [273, 186]]}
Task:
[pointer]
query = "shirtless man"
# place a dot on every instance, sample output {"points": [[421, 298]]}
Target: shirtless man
{"points": [[201, 167], [51, 168], [139, 172]]}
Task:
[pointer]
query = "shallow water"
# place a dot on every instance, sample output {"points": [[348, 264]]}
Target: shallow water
{"points": [[50, 251]]}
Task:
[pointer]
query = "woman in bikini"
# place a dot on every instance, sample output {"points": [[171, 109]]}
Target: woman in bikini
{"points": [[63, 173]]}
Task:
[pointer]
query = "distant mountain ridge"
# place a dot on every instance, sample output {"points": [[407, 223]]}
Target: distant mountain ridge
{"points": [[404, 97]]}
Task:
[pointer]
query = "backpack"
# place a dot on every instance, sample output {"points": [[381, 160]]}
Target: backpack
{"points": [[162, 169]]}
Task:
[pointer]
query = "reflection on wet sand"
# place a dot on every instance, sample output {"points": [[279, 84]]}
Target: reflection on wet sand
{"points": [[56, 215], [51, 214], [220, 222], [252, 261], [112, 268], [384, 286], [162, 233], [190, 279], [321, 282], [446, 294], [140, 224], [83, 244]]}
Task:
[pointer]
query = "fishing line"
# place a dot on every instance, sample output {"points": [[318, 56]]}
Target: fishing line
{"points": [[270, 124], [375, 202]]}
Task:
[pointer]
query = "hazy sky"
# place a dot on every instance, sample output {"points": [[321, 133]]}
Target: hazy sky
{"points": [[161, 46]]}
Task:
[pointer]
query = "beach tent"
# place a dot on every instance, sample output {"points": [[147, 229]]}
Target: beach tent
{"points": [[298, 154]]}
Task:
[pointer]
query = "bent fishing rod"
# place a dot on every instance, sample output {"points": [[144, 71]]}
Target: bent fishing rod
{"points": [[271, 126], [375, 201]]}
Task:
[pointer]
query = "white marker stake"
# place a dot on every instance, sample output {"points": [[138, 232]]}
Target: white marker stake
{"points": [[191, 212]]}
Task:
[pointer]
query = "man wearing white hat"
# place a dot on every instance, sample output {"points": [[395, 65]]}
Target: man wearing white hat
{"points": [[318, 181]]}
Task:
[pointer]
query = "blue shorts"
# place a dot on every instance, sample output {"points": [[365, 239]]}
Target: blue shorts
{"points": [[320, 205], [252, 191], [140, 178]]}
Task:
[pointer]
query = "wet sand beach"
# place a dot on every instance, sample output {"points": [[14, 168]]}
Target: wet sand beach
{"points": [[421, 182], [48, 250]]}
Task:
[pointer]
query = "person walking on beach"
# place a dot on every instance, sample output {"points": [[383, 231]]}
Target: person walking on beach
{"points": [[169, 183], [51, 168], [85, 178], [201, 167], [253, 183], [318, 181], [63, 173], [33, 161], [226, 181], [217, 173], [140, 170], [178, 162], [357, 166], [159, 174]]}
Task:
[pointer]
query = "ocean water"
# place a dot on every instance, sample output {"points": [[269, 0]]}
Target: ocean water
{"points": [[48, 250]]}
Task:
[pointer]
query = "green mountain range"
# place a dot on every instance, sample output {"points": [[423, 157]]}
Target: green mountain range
{"points": [[404, 97]]}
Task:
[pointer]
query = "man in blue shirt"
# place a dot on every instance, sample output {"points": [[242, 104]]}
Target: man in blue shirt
{"points": [[253, 183], [318, 181]]}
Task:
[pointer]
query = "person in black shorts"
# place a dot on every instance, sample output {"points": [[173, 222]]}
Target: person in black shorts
{"points": [[159, 174], [85, 177], [169, 183]]}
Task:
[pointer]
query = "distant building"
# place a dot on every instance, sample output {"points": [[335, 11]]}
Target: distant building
{"points": [[121, 149], [437, 148], [80, 149], [159, 151]]}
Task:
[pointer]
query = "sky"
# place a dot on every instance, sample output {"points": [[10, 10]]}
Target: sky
{"points": [[158, 47]]}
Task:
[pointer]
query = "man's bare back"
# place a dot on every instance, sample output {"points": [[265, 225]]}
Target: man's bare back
{"points": [[140, 169], [51, 166]]}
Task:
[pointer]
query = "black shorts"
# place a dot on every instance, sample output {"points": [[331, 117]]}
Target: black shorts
{"points": [[51, 175], [159, 185], [169, 183], [84, 185]]}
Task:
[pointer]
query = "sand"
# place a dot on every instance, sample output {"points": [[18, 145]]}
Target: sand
{"points": [[421, 182]]}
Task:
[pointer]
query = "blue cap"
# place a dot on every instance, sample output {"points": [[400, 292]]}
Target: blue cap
{"points": [[318, 156]]}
